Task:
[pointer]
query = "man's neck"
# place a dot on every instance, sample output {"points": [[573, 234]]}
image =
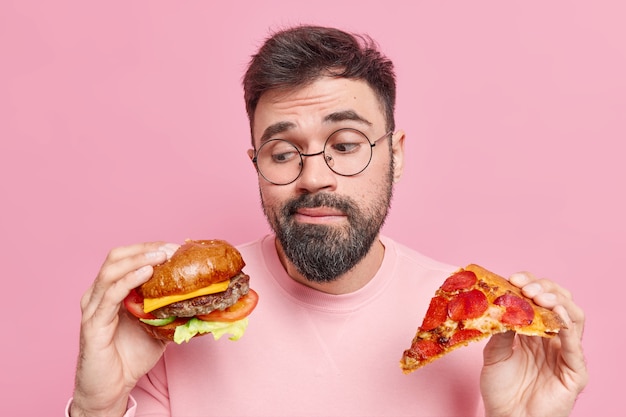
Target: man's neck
{"points": [[351, 281]]}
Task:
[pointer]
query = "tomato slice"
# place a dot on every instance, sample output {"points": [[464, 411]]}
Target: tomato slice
{"points": [[134, 304], [237, 311]]}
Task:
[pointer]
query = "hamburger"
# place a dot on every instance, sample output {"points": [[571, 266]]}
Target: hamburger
{"points": [[201, 289]]}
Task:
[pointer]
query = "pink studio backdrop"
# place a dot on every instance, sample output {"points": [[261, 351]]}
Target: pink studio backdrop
{"points": [[124, 122]]}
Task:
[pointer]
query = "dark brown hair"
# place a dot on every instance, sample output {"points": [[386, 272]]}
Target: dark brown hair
{"points": [[298, 56]]}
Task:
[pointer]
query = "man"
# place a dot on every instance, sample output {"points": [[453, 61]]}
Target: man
{"points": [[339, 302]]}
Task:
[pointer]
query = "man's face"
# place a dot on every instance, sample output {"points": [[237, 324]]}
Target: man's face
{"points": [[326, 223]]}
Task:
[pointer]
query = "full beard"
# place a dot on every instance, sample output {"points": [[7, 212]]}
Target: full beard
{"points": [[322, 253]]}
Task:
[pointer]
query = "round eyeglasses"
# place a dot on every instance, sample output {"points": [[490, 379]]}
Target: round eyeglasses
{"points": [[347, 152]]}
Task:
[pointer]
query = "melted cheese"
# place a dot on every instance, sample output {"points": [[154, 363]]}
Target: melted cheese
{"points": [[489, 322], [151, 304]]}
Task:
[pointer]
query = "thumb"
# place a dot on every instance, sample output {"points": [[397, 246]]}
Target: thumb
{"points": [[499, 348]]}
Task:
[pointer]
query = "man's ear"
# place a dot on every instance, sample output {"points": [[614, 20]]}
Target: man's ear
{"points": [[251, 154], [397, 153]]}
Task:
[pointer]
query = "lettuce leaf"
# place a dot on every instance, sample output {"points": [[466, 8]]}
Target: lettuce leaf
{"points": [[195, 326]]}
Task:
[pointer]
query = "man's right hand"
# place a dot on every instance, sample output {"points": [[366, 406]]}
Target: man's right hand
{"points": [[114, 350]]}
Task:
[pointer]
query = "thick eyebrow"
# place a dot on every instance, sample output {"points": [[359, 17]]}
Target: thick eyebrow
{"points": [[338, 116], [276, 128]]}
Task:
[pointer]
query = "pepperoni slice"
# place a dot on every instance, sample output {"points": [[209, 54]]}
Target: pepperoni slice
{"points": [[461, 280], [424, 349], [518, 311], [467, 305], [436, 314], [464, 335]]}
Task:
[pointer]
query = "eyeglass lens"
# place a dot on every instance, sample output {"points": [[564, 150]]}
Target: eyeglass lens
{"points": [[346, 152]]}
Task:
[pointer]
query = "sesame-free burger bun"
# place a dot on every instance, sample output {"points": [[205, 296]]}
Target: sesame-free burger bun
{"points": [[196, 264], [201, 289]]}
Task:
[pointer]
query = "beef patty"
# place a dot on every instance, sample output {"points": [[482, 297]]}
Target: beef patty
{"points": [[238, 287]]}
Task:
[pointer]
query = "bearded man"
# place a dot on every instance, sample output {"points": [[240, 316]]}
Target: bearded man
{"points": [[338, 301]]}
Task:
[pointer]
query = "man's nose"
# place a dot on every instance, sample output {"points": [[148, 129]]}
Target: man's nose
{"points": [[316, 174]]}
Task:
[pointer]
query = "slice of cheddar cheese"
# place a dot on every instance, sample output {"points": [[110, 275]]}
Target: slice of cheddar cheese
{"points": [[151, 304]]}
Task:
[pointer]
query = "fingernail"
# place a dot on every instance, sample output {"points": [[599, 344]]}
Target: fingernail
{"points": [[144, 270], [532, 290], [154, 254], [547, 298], [519, 279], [169, 249]]}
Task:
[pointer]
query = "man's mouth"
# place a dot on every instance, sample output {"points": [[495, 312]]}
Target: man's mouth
{"points": [[319, 215]]}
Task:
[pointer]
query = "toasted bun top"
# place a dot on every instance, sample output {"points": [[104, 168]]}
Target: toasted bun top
{"points": [[196, 264]]}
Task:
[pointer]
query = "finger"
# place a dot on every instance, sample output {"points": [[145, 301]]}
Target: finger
{"points": [[114, 292], [122, 252], [108, 308], [549, 294], [499, 348], [122, 269], [520, 279], [115, 268], [532, 287], [544, 292], [126, 272], [122, 260], [571, 345]]}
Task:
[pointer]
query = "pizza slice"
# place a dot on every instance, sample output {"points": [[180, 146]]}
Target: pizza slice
{"points": [[472, 304]]}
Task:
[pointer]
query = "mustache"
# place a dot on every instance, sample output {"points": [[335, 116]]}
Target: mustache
{"points": [[345, 204]]}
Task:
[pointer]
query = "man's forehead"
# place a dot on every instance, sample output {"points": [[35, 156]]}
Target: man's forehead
{"points": [[327, 100], [333, 117]]}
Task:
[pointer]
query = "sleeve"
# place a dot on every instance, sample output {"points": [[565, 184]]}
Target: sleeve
{"points": [[151, 393], [130, 410], [150, 397]]}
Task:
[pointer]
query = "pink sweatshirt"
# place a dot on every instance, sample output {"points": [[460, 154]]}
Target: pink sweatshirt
{"points": [[307, 353]]}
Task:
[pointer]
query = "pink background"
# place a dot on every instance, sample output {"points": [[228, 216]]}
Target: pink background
{"points": [[124, 122]]}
